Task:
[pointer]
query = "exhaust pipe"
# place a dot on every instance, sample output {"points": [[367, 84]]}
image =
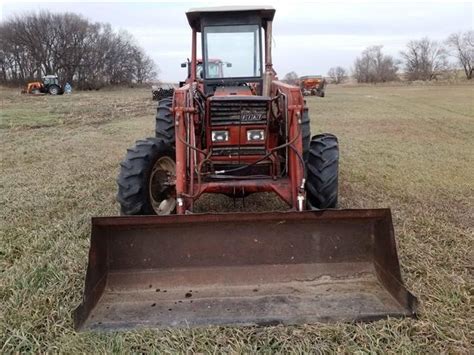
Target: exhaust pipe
{"points": [[242, 269], [268, 73]]}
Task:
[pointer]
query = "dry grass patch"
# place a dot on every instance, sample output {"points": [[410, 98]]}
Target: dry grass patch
{"points": [[408, 148], [90, 107]]}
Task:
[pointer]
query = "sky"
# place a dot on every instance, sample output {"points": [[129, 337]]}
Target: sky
{"points": [[308, 37]]}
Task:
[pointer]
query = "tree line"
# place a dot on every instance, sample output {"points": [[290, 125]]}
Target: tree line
{"points": [[88, 55], [422, 59]]}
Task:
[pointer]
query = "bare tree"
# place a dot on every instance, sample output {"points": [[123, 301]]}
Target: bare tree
{"points": [[143, 67], [291, 78], [462, 47], [424, 59], [337, 74], [86, 54], [375, 67]]}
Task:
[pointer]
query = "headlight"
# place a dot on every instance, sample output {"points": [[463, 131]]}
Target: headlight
{"points": [[220, 136], [255, 135]]}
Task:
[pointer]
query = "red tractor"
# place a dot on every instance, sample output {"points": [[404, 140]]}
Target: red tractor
{"points": [[215, 69], [232, 129], [215, 66], [237, 130]]}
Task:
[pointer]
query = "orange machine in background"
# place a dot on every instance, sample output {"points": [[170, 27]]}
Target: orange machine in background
{"points": [[313, 85]]}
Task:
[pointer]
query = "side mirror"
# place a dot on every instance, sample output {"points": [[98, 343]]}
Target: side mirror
{"points": [[183, 65], [228, 65]]}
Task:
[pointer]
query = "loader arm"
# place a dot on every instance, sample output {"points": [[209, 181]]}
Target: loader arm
{"points": [[294, 111]]}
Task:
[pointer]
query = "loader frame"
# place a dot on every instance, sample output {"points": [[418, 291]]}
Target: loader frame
{"points": [[189, 187]]}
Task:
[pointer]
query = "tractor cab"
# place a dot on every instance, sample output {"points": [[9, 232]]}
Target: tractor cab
{"points": [[234, 35], [50, 80], [215, 69], [51, 85]]}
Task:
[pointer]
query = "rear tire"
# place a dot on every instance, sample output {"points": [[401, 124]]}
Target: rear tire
{"points": [[322, 170], [54, 90], [164, 121], [143, 178]]}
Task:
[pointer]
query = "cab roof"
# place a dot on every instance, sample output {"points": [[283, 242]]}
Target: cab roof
{"points": [[194, 15]]}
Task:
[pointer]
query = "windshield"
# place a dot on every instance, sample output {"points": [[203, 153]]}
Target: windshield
{"points": [[214, 69], [49, 81], [238, 50]]}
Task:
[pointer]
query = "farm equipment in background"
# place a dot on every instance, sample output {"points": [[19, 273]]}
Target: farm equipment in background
{"points": [[167, 90], [313, 85], [49, 85], [161, 265], [162, 91], [215, 69]]}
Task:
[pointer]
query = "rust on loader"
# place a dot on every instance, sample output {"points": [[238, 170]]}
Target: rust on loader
{"points": [[242, 269]]}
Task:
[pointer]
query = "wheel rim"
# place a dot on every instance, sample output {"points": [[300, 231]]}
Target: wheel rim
{"points": [[54, 91], [161, 186]]}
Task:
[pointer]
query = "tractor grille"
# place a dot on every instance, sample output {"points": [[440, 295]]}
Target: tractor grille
{"points": [[236, 151], [238, 111]]}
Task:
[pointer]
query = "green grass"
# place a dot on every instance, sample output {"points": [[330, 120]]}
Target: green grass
{"points": [[408, 148]]}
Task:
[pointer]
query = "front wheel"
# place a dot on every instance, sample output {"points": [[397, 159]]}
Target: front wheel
{"points": [[322, 169], [146, 179]]}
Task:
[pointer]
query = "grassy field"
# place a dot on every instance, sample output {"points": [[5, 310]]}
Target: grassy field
{"points": [[408, 148]]}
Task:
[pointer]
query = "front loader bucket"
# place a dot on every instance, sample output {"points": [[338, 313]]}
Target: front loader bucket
{"points": [[242, 269]]}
